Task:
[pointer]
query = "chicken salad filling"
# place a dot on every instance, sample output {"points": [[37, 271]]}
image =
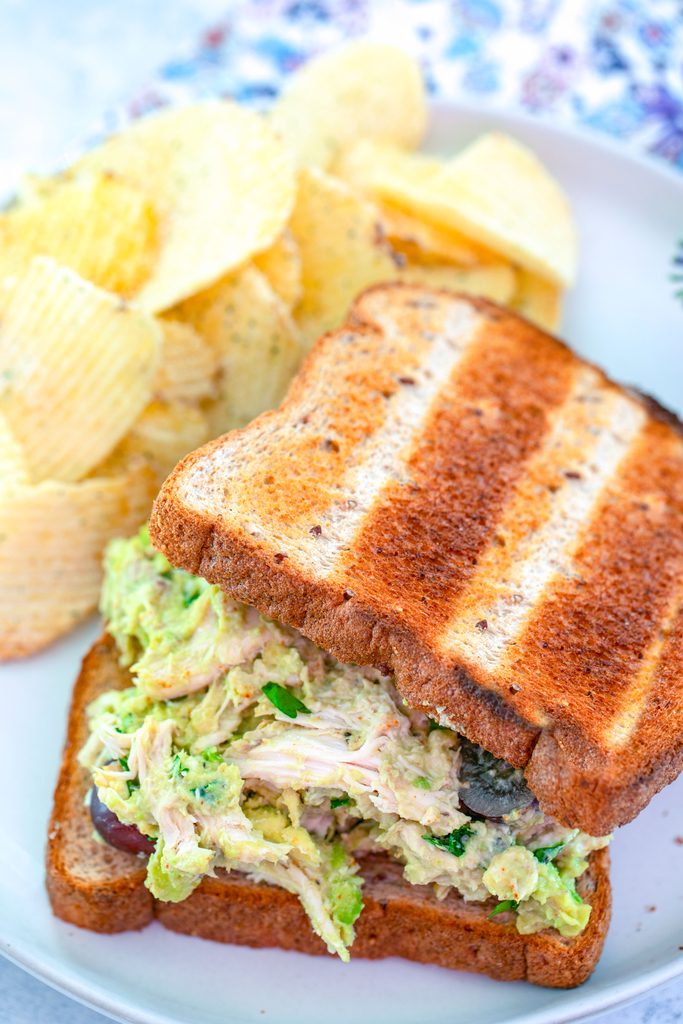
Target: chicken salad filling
{"points": [[242, 746]]}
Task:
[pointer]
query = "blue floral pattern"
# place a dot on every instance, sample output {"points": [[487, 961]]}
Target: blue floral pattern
{"points": [[615, 65]]}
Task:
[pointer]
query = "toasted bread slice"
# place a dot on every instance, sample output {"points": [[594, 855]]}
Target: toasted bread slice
{"points": [[452, 493], [94, 886]]}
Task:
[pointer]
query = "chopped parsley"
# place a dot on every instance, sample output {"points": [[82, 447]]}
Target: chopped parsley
{"points": [[422, 782], [212, 754], [340, 801], [284, 700], [177, 767], [504, 905], [454, 842], [571, 885], [131, 784], [208, 791], [545, 854]]}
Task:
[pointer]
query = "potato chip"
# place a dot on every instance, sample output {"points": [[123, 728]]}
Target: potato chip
{"points": [[495, 281], [164, 433], [342, 250], [38, 186], [76, 368], [495, 192], [100, 227], [498, 193], [12, 465], [282, 266], [388, 173], [423, 242], [361, 90], [260, 350], [256, 341], [220, 181], [188, 366], [32, 187], [52, 536], [538, 300]]}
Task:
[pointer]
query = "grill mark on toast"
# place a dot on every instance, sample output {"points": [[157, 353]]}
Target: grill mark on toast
{"points": [[665, 696], [419, 546], [450, 337], [324, 503], [590, 435], [596, 623], [644, 686]]}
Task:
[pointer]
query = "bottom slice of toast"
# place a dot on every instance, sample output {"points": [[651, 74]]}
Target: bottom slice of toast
{"points": [[95, 886]]}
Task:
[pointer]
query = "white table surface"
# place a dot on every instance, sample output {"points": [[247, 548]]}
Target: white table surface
{"points": [[61, 64]]}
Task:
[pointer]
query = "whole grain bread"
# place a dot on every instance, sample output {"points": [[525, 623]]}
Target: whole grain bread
{"points": [[95, 886], [452, 494]]}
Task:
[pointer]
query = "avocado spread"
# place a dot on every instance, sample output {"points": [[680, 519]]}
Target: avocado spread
{"points": [[242, 746]]}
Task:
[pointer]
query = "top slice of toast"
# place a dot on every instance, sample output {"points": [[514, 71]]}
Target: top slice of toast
{"points": [[452, 494]]}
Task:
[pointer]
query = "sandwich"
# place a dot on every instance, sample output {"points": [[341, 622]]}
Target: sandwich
{"points": [[392, 662]]}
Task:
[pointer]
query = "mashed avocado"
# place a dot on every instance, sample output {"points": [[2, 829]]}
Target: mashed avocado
{"points": [[244, 747]]}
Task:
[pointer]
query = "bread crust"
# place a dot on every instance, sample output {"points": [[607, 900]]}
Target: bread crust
{"points": [[95, 887], [89, 883], [574, 671]]}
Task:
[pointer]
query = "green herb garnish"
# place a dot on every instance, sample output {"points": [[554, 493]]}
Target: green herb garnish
{"points": [[422, 782], [340, 801], [504, 905], [571, 886], [454, 842], [212, 754], [284, 700], [545, 854], [208, 791], [131, 784], [190, 596], [177, 767]]}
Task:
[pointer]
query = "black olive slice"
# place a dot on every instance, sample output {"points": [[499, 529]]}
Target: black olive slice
{"points": [[491, 787]]}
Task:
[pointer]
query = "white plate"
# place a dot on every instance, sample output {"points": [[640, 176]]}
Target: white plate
{"points": [[623, 315]]}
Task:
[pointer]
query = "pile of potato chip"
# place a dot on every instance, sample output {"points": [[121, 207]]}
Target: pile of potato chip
{"points": [[164, 289]]}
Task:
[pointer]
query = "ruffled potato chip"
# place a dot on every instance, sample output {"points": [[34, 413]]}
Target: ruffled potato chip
{"points": [[498, 193], [164, 433], [256, 341], [12, 465], [388, 173], [361, 90], [34, 187], [188, 365], [422, 242], [282, 266], [495, 192], [495, 281], [100, 227], [76, 369], [52, 536], [538, 300], [220, 181], [342, 250]]}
